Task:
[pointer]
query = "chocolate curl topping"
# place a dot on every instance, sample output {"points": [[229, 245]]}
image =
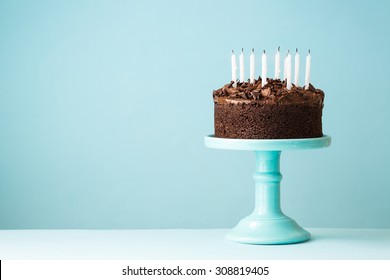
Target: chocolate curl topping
{"points": [[275, 89]]}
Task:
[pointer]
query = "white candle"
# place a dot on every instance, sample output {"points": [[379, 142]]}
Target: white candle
{"points": [[242, 66], [234, 69], [308, 65], [252, 67], [277, 64], [288, 71], [285, 68], [296, 68], [263, 69]]}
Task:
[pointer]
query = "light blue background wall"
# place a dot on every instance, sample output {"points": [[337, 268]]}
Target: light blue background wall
{"points": [[104, 105]]}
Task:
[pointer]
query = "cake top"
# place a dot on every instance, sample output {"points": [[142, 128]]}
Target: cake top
{"points": [[274, 91]]}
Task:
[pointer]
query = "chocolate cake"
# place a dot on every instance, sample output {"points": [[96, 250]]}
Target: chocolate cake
{"points": [[250, 111]]}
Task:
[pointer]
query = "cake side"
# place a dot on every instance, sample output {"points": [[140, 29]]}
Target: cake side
{"points": [[270, 112]]}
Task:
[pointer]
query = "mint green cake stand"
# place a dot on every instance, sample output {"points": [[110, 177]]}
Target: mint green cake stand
{"points": [[267, 224]]}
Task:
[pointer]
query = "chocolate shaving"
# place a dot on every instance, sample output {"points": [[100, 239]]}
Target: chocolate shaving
{"points": [[311, 87], [255, 95], [266, 92]]}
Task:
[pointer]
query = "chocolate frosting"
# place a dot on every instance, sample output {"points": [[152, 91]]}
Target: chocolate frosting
{"points": [[273, 92]]}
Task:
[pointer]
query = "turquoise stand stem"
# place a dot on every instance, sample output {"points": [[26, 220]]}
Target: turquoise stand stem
{"points": [[267, 224], [267, 180]]}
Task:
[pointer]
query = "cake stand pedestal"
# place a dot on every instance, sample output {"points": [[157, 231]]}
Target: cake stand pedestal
{"points": [[267, 224]]}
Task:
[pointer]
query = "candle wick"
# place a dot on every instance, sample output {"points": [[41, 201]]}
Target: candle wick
{"points": [[279, 48], [232, 52], [253, 50], [296, 50], [264, 51], [309, 51]]}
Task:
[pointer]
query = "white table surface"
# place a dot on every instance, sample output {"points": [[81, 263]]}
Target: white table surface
{"points": [[188, 244]]}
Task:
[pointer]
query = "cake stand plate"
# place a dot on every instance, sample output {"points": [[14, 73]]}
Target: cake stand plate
{"points": [[267, 224]]}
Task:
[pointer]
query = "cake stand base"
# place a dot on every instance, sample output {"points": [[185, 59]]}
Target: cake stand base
{"points": [[253, 230], [267, 224]]}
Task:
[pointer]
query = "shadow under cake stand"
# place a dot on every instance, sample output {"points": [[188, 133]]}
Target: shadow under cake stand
{"points": [[267, 224]]}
